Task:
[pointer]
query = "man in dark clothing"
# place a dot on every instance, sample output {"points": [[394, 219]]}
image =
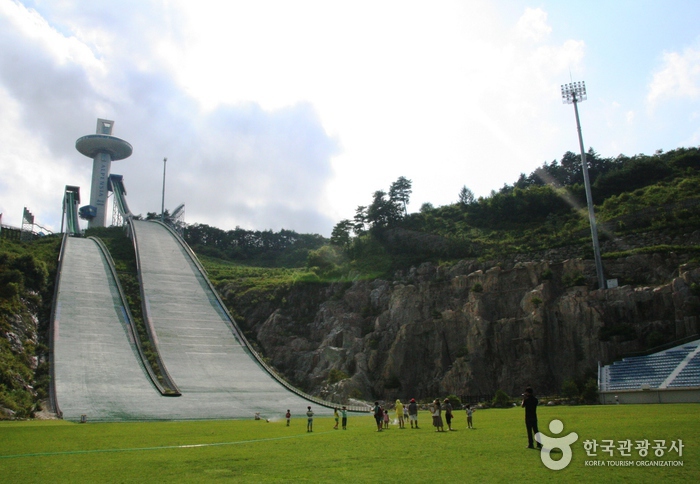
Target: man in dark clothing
{"points": [[413, 412], [378, 415], [530, 405]]}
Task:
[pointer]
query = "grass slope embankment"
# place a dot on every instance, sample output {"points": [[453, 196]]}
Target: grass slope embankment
{"points": [[256, 451]]}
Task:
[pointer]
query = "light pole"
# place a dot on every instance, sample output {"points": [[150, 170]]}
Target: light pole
{"points": [[162, 205], [573, 93]]}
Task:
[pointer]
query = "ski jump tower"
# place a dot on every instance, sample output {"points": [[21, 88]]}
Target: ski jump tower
{"points": [[103, 148]]}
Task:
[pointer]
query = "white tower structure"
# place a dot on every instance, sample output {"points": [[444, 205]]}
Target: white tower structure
{"points": [[103, 148]]}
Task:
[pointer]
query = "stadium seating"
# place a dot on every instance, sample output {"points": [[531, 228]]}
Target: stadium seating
{"points": [[673, 368]]}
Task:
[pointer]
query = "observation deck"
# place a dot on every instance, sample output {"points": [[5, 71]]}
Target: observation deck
{"points": [[94, 144]]}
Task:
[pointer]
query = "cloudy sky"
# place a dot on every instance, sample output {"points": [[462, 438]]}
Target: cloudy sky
{"points": [[289, 114]]}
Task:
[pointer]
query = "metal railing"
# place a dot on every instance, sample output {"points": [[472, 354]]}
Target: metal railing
{"points": [[55, 311]]}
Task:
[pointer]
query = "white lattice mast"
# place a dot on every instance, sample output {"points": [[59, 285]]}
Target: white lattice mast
{"points": [[103, 148]]}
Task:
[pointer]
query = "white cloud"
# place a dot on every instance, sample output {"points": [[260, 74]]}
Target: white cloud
{"points": [[678, 77], [533, 25]]}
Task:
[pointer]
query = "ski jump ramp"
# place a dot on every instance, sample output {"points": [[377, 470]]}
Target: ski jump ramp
{"points": [[97, 369]]}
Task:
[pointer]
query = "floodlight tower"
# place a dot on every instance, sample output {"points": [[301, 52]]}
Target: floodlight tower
{"points": [[573, 93], [103, 148]]}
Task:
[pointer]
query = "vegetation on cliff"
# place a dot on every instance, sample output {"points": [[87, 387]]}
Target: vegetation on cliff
{"points": [[539, 211], [26, 288]]}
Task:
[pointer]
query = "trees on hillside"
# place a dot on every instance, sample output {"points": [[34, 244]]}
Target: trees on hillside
{"points": [[241, 244], [400, 193], [386, 210], [547, 197], [466, 196]]}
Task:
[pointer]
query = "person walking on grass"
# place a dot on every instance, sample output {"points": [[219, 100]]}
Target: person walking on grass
{"points": [[310, 420], [378, 415], [413, 412], [399, 413], [386, 418], [344, 414], [288, 416], [336, 417], [470, 410], [448, 413]]}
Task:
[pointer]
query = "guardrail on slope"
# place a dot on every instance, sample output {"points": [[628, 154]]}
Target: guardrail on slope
{"points": [[131, 324], [239, 334], [168, 382], [53, 400]]}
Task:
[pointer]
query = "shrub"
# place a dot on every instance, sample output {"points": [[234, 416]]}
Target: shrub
{"points": [[501, 399], [477, 287], [455, 402], [569, 390], [462, 352], [590, 391], [336, 375], [574, 279]]}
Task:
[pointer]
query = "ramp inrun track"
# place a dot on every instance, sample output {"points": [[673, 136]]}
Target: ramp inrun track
{"points": [[96, 366]]}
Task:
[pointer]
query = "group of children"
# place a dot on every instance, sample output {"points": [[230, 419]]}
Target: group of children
{"points": [[310, 418], [381, 416], [411, 413]]}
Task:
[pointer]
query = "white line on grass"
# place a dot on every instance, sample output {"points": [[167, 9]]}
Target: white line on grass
{"points": [[165, 447]]}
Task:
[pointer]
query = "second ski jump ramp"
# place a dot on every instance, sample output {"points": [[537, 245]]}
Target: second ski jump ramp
{"points": [[195, 337]]}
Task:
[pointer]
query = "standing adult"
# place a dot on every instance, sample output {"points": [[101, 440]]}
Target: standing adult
{"points": [[437, 416], [530, 403], [378, 415], [448, 413], [344, 414], [309, 420], [413, 412], [399, 413]]}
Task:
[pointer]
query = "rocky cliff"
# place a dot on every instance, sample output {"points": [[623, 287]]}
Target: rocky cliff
{"points": [[473, 327]]}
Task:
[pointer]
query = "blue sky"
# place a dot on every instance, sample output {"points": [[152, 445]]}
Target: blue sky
{"points": [[289, 114]]}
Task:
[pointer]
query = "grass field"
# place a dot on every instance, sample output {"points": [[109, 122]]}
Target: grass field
{"points": [[256, 451]]}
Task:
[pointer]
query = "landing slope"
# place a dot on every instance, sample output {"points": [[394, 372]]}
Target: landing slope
{"points": [[96, 365], [195, 337]]}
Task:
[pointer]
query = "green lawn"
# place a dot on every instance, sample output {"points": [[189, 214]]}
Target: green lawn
{"points": [[255, 451]]}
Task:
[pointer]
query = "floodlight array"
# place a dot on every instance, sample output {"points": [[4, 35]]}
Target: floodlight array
{"points": [[573, 92]]}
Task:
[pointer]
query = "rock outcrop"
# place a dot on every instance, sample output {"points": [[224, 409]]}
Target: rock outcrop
{"points": [[473, 327]]}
